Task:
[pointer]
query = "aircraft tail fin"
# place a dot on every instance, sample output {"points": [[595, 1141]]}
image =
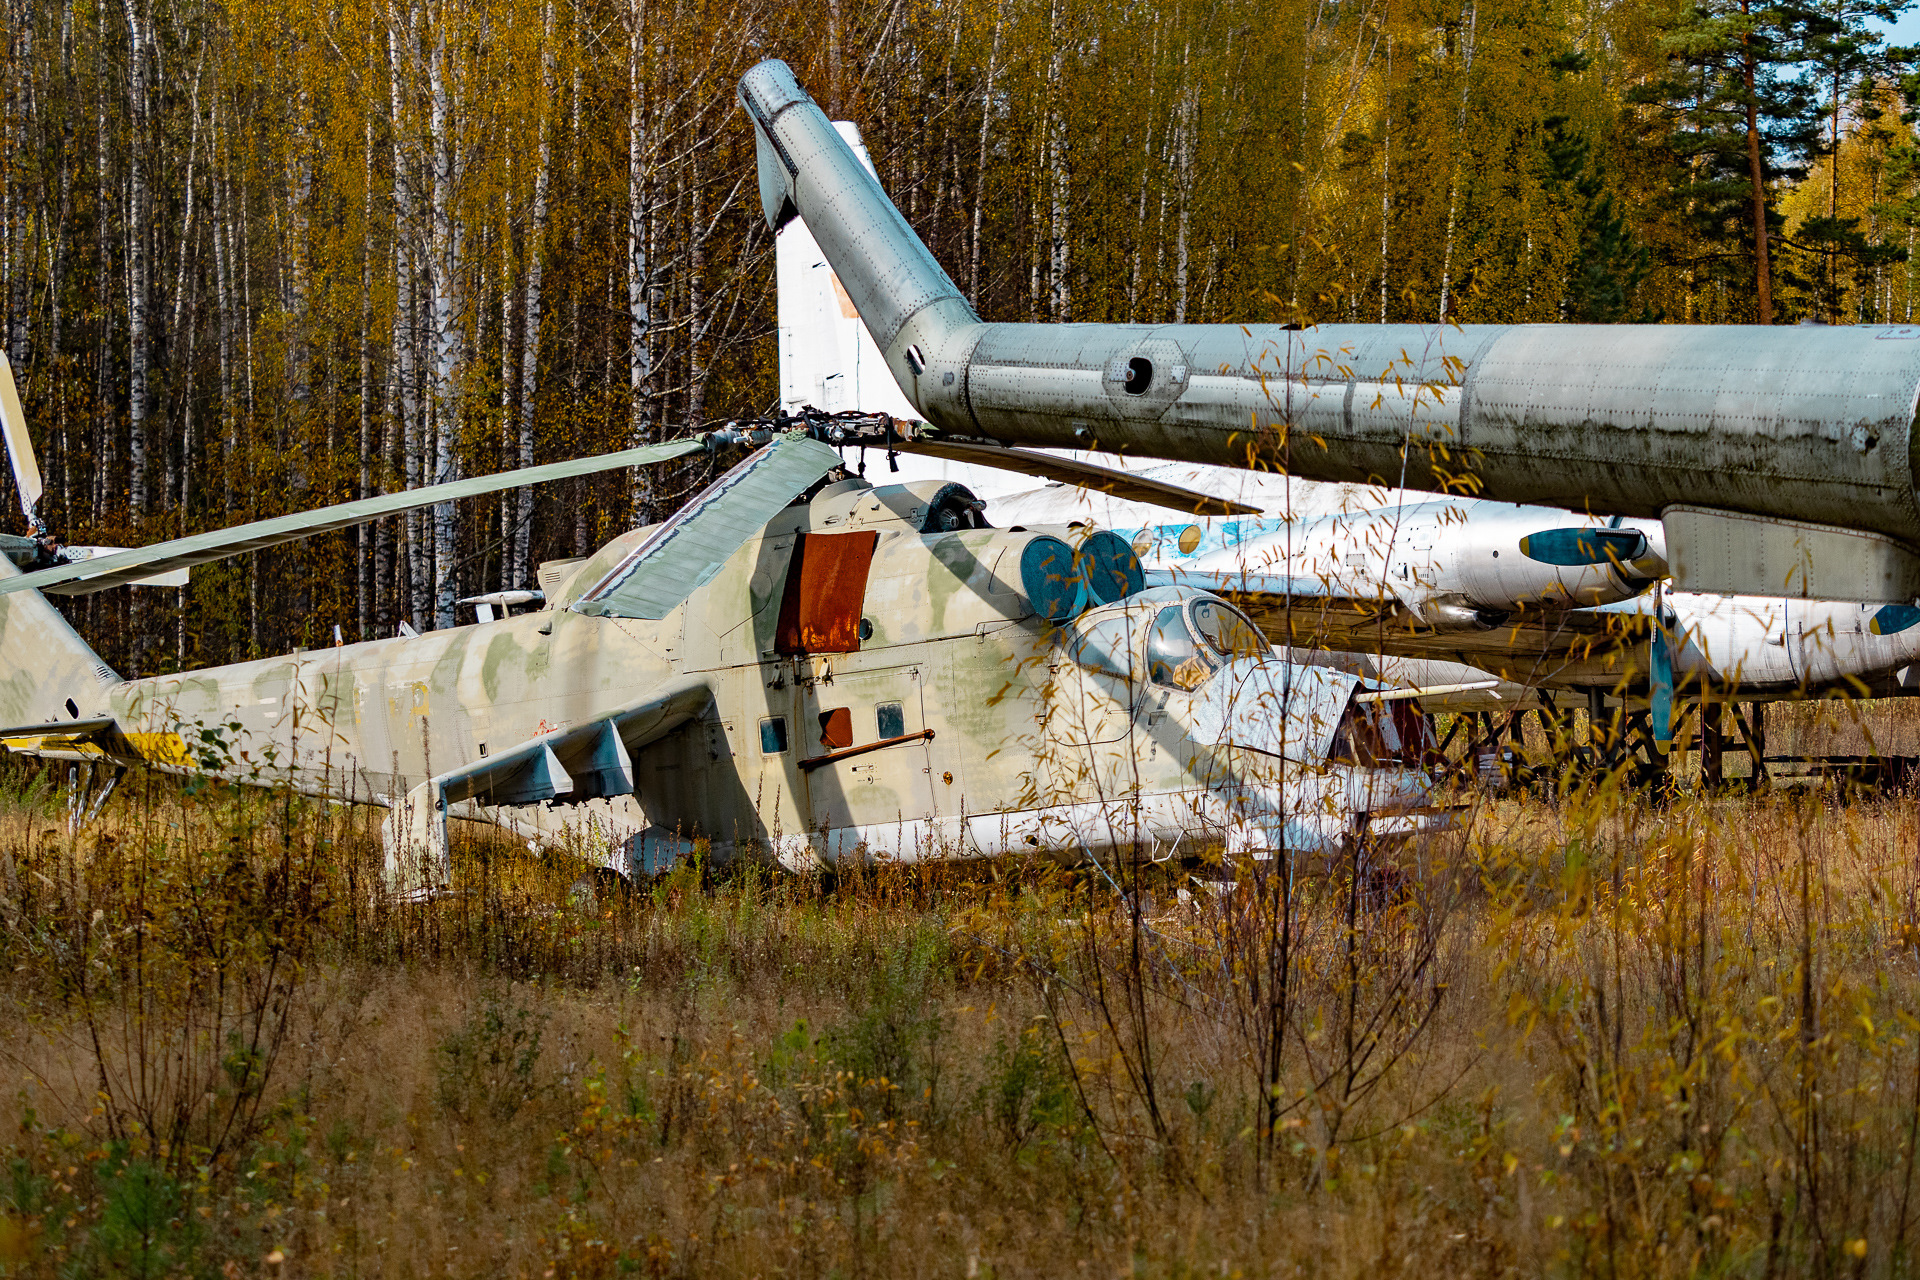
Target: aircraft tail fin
{"points": [[47, 672], [827, 357], [917, 316]]}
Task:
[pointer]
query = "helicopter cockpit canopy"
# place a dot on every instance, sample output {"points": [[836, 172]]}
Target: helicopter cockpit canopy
{"points": [[1189, 636]]}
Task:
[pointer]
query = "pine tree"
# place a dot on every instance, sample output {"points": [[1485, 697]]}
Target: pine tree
{"points": [[1731, 117]]}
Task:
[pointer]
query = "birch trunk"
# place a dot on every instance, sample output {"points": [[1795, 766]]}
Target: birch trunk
{"points": [[1757, 181], [1386, 175], [1059, 231], [404, 323], [697, 318], [639, 266], [1453, 181], [447, 308], [1183, 169], [980, 173], [105, 219], [364, 581], [138, 285], [530, 318], [223, 300]]}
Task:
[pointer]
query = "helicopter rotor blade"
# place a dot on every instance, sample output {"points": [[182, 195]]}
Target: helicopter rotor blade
{"points": [[1084, 475], [101, 572], [683, 554], [13, 426]]}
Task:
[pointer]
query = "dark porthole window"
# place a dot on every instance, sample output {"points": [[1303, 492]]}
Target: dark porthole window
{"points": [[773, 736], [891, 720], [1139, 375]]}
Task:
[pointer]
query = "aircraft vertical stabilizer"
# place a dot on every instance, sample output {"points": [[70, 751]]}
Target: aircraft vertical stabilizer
{"points": [[827, 357]]}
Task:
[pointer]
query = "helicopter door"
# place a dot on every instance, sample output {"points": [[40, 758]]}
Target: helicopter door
{"points": [[869, 777]]}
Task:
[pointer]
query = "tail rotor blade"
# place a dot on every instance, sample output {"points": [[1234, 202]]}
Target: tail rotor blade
{"points": [[13, 425]]}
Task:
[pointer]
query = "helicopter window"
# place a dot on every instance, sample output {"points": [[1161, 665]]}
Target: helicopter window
{"points": [[1414, 727], [1139, 375], [1174, 658], [1227, 631], [773, 736], [1372, 736], [890, 718], [836, 729], [1106, 647], [826, 589]]}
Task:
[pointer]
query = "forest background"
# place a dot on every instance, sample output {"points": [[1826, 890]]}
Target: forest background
{"points": [[260, 257]]}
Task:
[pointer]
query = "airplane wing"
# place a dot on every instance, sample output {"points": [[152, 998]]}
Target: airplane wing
{"points": [[1532, 647]]}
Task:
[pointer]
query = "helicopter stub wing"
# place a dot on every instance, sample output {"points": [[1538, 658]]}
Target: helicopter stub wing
{"points": [[682, 555], [99, 572], [586, 761]]}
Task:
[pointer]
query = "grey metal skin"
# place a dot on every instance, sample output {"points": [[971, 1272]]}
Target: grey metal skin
{"points": [[1810, 424]]}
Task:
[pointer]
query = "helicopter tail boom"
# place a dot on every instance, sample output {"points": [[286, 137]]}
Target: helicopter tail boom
{"points": [[47, 672]]}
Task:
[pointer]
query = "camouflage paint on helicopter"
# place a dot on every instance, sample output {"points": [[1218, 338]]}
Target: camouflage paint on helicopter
{"points": [[870, 673]]}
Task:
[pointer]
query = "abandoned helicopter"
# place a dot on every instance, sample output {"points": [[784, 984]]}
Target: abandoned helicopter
{"points": [[798, 666]]}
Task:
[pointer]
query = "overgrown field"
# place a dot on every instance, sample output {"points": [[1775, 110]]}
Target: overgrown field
{"points": [[1600, 1038]]}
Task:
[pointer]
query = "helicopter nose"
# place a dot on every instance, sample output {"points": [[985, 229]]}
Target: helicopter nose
{"points": [[1288, 712]]}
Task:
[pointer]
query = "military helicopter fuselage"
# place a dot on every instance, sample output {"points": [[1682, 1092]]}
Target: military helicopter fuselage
{"points": [[867, 678]]}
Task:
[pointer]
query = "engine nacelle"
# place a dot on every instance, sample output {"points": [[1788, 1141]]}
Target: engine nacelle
{"points": [[1456, 615]]}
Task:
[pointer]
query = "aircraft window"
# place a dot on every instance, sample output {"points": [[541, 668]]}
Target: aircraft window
{"points": [[773, 736], [1139, 375], [891, 720], [1106, 646], [1174, 658], [1415, 730], [836, 729], [1396, 733], [1227, 631]]}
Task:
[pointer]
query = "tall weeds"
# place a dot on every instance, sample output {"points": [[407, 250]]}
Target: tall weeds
{"points": [[1599, 1037]]}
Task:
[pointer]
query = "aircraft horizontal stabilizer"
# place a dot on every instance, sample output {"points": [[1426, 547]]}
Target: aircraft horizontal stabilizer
{"points": [[1085, 475], [90, 739], [122, 567], [679, 557]]}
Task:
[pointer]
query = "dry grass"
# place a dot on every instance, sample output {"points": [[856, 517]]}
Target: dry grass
{"points": [[1607, 1039]]}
